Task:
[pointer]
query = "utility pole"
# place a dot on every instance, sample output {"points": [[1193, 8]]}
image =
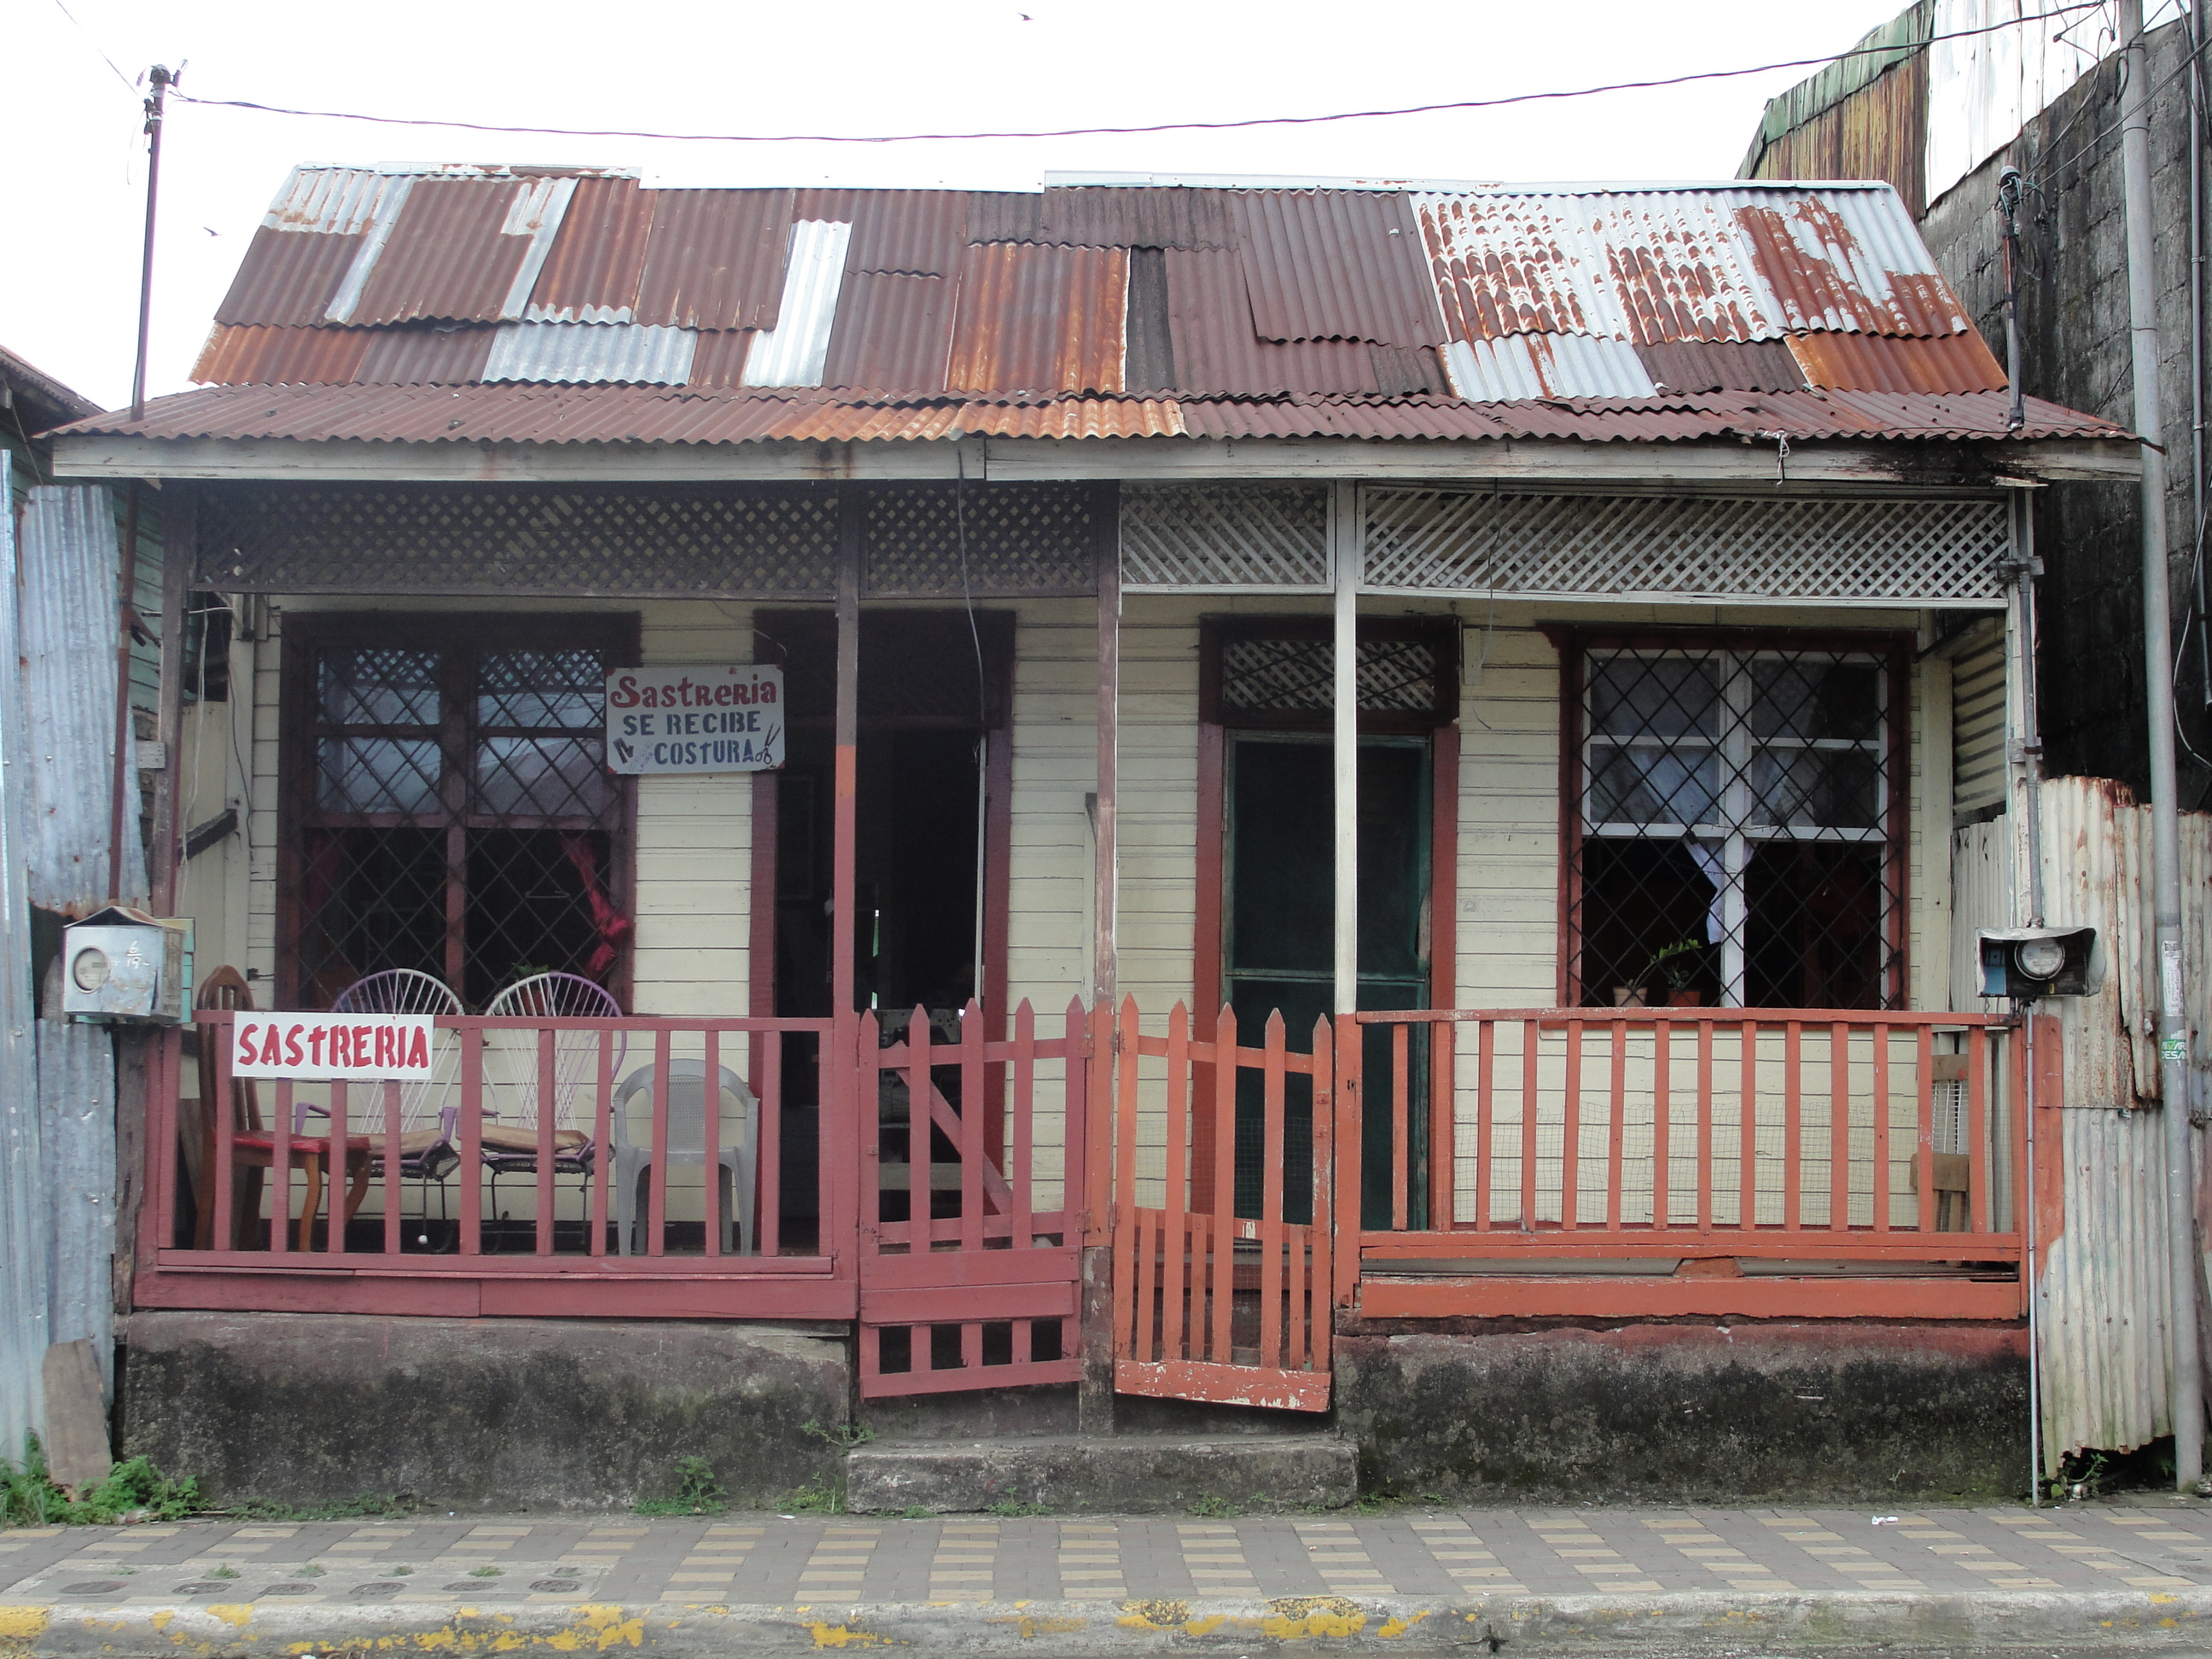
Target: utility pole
{"points": [[2185, 1262], [156, 107]]}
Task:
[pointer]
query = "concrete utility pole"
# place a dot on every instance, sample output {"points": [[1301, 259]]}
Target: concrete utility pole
{"points": [[2186, 1394]]}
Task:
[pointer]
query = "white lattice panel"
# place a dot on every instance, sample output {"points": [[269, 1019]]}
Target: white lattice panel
{"points": [[1215, 537], [1916, 552]]}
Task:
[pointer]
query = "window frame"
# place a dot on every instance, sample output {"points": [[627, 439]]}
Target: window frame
{"points": [[1890, 649], [304, 635]]}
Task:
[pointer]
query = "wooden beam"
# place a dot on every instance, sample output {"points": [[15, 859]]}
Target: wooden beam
{"points": [[177, 551], [1918, 467], [1345, 545], [1105, 958]]}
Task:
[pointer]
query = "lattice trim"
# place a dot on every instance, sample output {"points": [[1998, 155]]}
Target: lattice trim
{"points": [[1273, 537], [1021, 538], [1927, 552]]}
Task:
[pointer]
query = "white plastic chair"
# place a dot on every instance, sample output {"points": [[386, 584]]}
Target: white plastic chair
{"points": [[738, 1156]]}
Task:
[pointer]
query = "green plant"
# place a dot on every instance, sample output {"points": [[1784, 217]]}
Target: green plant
{"points": [[310, 1570], [697, 1492], [485, 1572], [916, 1513], [368, 1505], [1677, 963], [1011, 1508], [815, 1500], [396, 1572], [1211, 1505], [29, 1497], [228, 1571], [843, 1436]]}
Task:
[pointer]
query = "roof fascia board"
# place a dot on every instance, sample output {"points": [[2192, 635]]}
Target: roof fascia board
{"points": [[1670, 466]]}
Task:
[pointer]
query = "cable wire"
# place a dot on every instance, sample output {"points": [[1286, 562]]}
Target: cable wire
{"points": [[1506, 101]]}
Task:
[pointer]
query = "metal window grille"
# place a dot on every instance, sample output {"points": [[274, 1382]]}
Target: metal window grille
{"points": [[1917, 551], [1263, 675], [1226, 538], [447, 804], [1739, 826]]}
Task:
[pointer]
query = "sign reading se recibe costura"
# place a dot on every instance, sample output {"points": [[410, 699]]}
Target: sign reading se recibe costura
{"points": [[726, 719]]}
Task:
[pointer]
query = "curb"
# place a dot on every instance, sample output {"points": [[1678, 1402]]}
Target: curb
{"points": [[1074, 1630]]}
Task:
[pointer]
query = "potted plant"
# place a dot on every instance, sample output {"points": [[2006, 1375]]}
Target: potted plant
{"points": [[1679, 964]]}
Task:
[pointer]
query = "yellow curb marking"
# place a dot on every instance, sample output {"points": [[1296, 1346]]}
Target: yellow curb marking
{"points": [[23, 1624], [1032, 1626]]}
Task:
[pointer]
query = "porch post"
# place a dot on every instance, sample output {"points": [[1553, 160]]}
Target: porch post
{"points": [[841, 1081], [1105, 964], [1095, 1395], [1345, 541]]}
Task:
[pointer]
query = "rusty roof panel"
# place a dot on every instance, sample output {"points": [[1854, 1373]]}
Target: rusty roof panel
{"points": [[1517, 367], [426, 354], [591, 275], [719, 360], [1336, 264], [907, 232], [893, 333], [288, 277], [633, 414], [715, 258], [590, 353], [448, 259], [1722, 365], [1878, 362], [1039, 319], [242, 354], [1215, 349]]}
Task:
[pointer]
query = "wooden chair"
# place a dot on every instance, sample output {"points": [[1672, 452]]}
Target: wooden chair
{"points": [[252, 1147]]}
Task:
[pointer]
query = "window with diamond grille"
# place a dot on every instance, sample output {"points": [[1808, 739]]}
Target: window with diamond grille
{"points": [[1737, 823], [447, 804]]}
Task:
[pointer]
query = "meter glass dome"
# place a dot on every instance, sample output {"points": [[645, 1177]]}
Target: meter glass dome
{"points": [[89, 969], [2039, 958]]}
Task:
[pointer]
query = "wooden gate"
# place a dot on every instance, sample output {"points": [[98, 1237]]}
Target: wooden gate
{"points": [[1211, 1303], [971, 1197]]}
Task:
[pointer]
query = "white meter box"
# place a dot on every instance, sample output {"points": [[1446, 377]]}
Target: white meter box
{"points": [[123, 964], [724, 718]]}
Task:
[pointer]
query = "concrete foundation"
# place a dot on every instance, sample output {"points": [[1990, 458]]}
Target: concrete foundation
{"points": [[312, 1409], [1121, 1474], [1689, 1413]]}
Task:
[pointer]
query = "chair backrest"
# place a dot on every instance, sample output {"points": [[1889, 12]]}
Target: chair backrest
{"points": [[687, 1106], [575, 1054], [226, 987], [397, 991]]}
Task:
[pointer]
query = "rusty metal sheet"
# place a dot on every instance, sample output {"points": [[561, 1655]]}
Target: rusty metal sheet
{"points": [[715, 258], [1082, 215], [1848, 259], [1038, 319], [719, 362], [1215, 348], [590, 274], [1722, 365], [448, 257], [1336, 264], [239, 355], [1513, 367], [893, 333], [590, 354], [288, 278], [906, 233], [431, 354], [1882, 362]]}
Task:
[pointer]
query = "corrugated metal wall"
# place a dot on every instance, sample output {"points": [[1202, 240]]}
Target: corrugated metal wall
{"points": [[2102, 1291], [23, 1214], [1977, 723]]}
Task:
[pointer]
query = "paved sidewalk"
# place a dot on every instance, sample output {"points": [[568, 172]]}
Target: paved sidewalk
{"points": [[1414, 1579]]}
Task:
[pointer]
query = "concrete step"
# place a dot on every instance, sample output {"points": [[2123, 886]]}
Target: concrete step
{"points": [[1116, 1475]]}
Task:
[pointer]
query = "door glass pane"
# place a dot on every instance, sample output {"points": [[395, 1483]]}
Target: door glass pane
{"points": [[542, 777], [381, 687], [563, 688], [376, 775]]}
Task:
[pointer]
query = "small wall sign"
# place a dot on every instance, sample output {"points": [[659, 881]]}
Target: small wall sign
{"points": [[726, 719], [329, 1048]]}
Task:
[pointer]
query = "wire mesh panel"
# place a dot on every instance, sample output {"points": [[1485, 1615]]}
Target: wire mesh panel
{"points": [[635, 541], [1226, 536], [1738, 823], [1918, 551], [447, 806]]}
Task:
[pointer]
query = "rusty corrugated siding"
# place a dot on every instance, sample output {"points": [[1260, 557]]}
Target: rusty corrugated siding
{"points": [[1336, 264], [448, 259], [904, 232], [1879, 131], [1216, 350], [715, 258], [240, 355], [426, 356], [1084, 215], [1884, 362], [1722, 366], [592, 274], [893, 333], [1032, 317], [288, 277]]}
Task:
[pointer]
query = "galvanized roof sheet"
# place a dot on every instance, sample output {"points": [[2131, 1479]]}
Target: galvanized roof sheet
{"points": [[1586, 312]]}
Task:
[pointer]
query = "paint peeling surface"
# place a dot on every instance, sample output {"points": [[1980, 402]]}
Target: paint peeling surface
{"points": [[1593, 314]]}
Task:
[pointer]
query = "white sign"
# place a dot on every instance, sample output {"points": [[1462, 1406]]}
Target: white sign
{"points": [[331, 1047], [727, 719]]}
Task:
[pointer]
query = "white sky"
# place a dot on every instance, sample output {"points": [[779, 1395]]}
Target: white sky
{"points": [[68, 284]]}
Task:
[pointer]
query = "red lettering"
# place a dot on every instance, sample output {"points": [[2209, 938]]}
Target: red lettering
{"points": [[272, 1045], [684, 692], [386, 1043], [722, 695], [315, 1044], [624, 696], [341, 1041], [767, 691], [360, 1048], [292, 1055], [418, 1052]]}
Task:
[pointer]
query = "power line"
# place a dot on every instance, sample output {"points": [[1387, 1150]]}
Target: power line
{"points": [[128, 85], [1127, 131]]}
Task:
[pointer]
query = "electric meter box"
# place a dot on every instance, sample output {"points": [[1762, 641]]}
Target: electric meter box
{"points": [[124, 966], [2028, 963]]}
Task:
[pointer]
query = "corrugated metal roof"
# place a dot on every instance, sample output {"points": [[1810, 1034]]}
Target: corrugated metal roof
{"points": [[1039, 319], [1110, 216], [714, 258], [459, 250], [591, 271], [590, 353], [1216, 350], [622, 413], [1725, 365], [336, 201], [1879, 363], [791, 353], [1336, 266], [719, 363], [426, 355], [1522, 366], [904, 232], [244, 355], [287, 279], [893, 333]]}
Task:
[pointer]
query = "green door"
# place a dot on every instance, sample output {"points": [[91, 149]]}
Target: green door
{"points": [[1277, 919]]}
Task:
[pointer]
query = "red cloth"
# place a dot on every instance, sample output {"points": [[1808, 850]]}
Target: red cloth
{"points": [[613, 927]]}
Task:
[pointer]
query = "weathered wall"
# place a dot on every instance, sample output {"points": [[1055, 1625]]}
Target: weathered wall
{"points": [[2077, 352], [479, 1414], [1688, 1414]]}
